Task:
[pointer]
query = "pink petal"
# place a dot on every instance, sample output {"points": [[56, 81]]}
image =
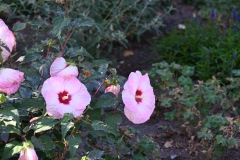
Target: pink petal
{"points": [[80, 99], [144, 83], [7, 37], [10, 80], [68, 72], [72, 85], [62, 109], [52, 104], [28, 154], [57, 66], [129, 100], [138, 117], [55, 84], [114, 89], [132, 83], [148, 98]]}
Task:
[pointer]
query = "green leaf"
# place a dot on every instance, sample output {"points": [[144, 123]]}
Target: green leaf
{"points": [[139, 157], [3, 98], [95, 154], [170, 115], [113, 119], [58, 24], [99, 125], [44, 142], [44, 124], [147, 145], [221, 140], [9, 114], [19, 26], [73, 52], [9, 129], [185, 81], [188, 71], [66, 124], [82, 22], [31, 105], [30, 57], [106, 100], [73, 143], [11, 148], [101, 63], [231, 142]]}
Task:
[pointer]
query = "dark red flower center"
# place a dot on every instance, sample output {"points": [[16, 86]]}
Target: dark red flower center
{"points": [[138, 96], [64, 97]]}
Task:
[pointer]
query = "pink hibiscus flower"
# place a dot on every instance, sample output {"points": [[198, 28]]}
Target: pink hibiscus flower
{"points": [[114, 89], [138, 98], [60, 68], [65, 95], [27, 152], [10, 80], [8, 38]]}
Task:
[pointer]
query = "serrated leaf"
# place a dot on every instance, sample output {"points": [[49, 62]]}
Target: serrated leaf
{"points": [[30, 57], [82, 22], [188, 71], [31, 104], [9, 129], [101, 63], [221, 140], [147, 144], [44, 142], [73, 52], [25, 92], [99, 125], [11, 148], [231, 141], [95, 154], [66, 124], [73, 143], [9, 114], [44, 124], [19, 26], [113, 119], [58, 24], [106, 100]]}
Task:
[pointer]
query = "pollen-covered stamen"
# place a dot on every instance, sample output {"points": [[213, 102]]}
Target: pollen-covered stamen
{"points": [[64, 97], [138, 96]]}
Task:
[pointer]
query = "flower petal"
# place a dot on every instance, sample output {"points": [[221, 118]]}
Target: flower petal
{"points": [[8, 38], [68, 72], [132, 83], [10, 80], [57, 66], [55, 84], [138, 117], [129, 100], [80, 99], [72, 85], [144, 83]]}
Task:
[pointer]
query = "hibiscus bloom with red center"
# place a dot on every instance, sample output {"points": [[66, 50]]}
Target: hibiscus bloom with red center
{"points": [[138, 97], [65, 95]]}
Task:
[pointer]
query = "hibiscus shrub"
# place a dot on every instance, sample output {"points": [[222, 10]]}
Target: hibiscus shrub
{"points": [[58, 102]]}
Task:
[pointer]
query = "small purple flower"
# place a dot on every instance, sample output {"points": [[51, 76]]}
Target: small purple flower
{"points": [[208, 51], [213, 13], [234, 14], [234, 56]]}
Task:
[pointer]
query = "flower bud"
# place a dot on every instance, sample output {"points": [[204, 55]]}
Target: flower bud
{"points": [[115, 89], [28, 152]]}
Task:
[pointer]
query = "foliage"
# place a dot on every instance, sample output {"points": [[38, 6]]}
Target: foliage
{"points": [[96, 25], [73, 29], [211, 49], [208, 109]]}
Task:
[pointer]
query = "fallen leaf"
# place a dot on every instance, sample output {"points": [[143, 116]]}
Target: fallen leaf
{"points": [[168, 144], [127, 53]]}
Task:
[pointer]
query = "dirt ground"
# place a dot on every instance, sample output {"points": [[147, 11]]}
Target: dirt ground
{"points": [[182, 147]]}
